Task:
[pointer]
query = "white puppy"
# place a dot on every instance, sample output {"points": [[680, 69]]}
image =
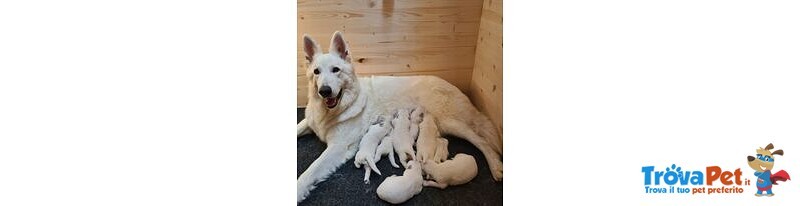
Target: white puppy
{"points": [[428, 138], [398, 189], [459, 170], [366, 149], [402, 141], [387, 144]]}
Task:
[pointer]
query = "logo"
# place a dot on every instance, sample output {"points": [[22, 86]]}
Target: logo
{"points": [[713, 180], [763, 163]]}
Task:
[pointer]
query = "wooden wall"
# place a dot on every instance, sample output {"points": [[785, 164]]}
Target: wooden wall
{"points": [[458, 40], [395, 37], [486, 87]]}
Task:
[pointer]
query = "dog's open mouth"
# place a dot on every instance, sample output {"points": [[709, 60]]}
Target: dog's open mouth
{"points": [[331, 102], [762, 167]]}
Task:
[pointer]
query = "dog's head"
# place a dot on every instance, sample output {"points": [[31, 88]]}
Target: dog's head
{"points": [[764, 159], [330, 74]]}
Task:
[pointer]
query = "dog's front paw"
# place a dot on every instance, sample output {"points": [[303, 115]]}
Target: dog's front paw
{"points": [[302, 192], [300, 197]]}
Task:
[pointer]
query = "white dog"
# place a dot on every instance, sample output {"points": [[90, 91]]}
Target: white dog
{"points": [[340, 105], [459, 170], [398, 189], [366, 149]]}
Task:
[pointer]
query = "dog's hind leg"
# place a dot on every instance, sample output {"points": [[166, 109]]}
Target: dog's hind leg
{"points": [[405, 155], [386, 148], [464, 131], [327, 163], [302, 128], [367, 172], [391, 158], [441, 150], [429, 183], [371, 162], [486, 129]]}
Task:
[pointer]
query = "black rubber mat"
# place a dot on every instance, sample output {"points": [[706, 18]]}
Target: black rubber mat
{"points": [[346, 186]]}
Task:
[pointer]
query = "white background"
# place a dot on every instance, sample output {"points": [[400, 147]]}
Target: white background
{"points": [[192, 103], [602, 88]]}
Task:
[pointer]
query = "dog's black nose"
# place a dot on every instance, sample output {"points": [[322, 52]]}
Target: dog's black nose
{"points": [[325, 91], [750, 158]]}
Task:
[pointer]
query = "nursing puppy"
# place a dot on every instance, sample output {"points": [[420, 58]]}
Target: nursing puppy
{"points": [[366, 149], [459, 170], [402, 141], [398, 189], [416, 118], [428, 139]]}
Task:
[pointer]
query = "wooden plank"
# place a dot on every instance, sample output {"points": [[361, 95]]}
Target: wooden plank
{"points": [[460, 78], [486, 86], [391, 37], [429, 59]]}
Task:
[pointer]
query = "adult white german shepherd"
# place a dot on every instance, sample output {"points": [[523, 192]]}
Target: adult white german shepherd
{"points": [[341, 105]]}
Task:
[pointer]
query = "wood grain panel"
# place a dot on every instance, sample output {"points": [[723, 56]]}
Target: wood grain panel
{"points": [[461, 78], [486, 86], [393, 37]]}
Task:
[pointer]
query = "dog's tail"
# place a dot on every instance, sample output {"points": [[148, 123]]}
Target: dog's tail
{"points": [[486, 129]]}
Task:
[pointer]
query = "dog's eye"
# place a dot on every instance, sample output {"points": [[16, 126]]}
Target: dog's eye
{"points": [[335, 69], [316, 71]]}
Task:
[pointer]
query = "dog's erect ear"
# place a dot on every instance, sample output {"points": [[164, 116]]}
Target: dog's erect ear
{"points": [[778, 152], [769, 147], [310, 47], [339, 47]]}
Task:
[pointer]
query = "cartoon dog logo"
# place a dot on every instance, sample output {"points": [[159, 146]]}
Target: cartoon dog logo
{"points": [[763, 163]]}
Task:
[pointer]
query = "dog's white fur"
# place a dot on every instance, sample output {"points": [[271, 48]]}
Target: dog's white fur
{"points": [[402, 141], [366, 149], [459, 170], [343, 125], [398, 189]]}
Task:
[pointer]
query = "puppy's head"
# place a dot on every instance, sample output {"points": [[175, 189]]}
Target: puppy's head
{"points": [[401, 118], [764, 159], [330, 74], [416, 115]]}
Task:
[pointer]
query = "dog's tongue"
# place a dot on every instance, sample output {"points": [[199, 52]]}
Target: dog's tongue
{"points": [[330, 101]]}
